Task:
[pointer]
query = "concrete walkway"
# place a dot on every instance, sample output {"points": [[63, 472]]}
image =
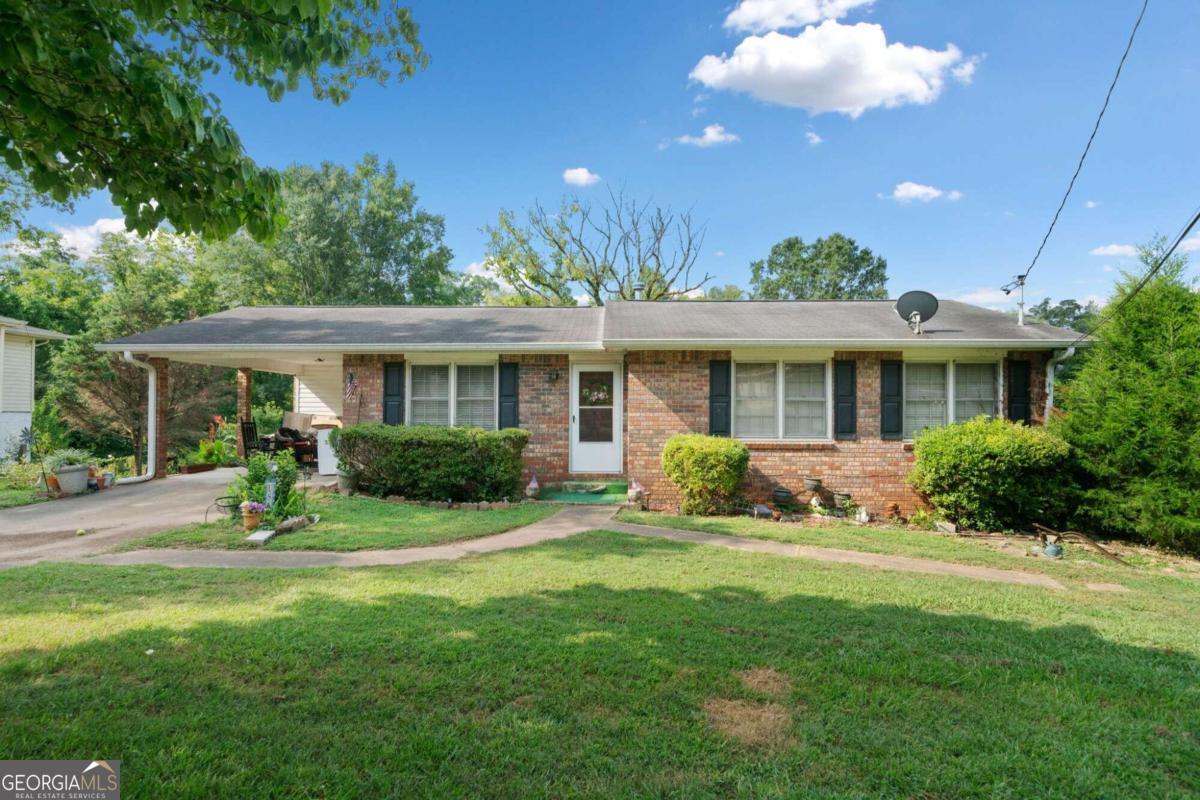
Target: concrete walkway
{"points": [[568, 522], [900, 563]]}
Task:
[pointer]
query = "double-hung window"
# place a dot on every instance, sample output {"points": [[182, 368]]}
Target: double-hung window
{"points": [[938, 393], [453, 394], [777, 399]]}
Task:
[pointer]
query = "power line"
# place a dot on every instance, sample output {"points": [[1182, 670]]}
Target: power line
{"points": [[1150, 273], [1020, 280]]}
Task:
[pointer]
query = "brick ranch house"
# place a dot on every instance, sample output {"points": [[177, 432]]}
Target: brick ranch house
{"points": [[832, 389]]}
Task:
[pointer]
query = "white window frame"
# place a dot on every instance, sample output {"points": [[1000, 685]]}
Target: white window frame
{"points": [[779, 399], [453, 398], [951, 365]]}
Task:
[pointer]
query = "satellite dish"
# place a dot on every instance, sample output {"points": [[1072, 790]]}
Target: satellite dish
{"points": [[916, 308]]}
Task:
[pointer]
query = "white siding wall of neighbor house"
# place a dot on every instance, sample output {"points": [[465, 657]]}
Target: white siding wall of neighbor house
{"points": [[319, 392], [16, 390]]}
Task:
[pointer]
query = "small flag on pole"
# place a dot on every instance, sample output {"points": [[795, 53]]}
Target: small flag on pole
{"points": [[351, 385]]}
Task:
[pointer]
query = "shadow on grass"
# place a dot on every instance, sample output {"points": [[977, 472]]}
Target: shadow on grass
{"points": [[596, 691]]}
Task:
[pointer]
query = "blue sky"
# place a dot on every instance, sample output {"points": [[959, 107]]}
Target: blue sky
{"points": [[987, 103]]}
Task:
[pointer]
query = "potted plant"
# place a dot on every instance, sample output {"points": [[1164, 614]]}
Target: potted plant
{"points": [[347, 479], [252, 514], [812, 484], [841, 499], [70, 466]]}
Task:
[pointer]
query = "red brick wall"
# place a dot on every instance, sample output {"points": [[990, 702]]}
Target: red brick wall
{"points": [[543, 397], [367, 404]]}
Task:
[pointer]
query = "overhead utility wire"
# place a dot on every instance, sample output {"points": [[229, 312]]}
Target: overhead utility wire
{"points": [[1020, 279], [1150, 273]]}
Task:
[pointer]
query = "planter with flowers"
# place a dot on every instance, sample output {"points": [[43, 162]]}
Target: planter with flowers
{"points": [[252, 515], [70, 466]]}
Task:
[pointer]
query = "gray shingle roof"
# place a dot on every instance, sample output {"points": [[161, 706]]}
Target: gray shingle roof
{"points": [[814, 321], [360, 327], [619, 324]]}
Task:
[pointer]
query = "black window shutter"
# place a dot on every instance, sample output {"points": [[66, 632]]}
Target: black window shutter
{"points": [[891, 400], [1018, 392], [510, 380], [393, 393], [845, 400], [719, 396]]}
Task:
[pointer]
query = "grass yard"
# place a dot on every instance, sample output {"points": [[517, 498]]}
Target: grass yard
{"points": [[603, 665], [357, 523], [10, 498], [1078, 561]]}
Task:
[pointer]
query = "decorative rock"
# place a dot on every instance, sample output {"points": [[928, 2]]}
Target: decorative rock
{"points": [[291, 524], [946, 527], [395, 498], [261, 537], [469, 506], [484, 505], [501, 504]]}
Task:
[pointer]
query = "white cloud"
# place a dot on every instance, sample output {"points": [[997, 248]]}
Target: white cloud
{"points": [[698, 111], [580, 176], [813, 138], [833, 67], [694, 293], [719, 254], [583, 300], [1123, 250], [1190, 245], [713, 135], [964, 72], [1109, 268], [84, 239], [487, 269], [908, 191], [760, 16], [1092, 204]]}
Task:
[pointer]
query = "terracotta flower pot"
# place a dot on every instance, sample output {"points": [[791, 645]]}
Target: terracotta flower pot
{"points": [[251, 520]]}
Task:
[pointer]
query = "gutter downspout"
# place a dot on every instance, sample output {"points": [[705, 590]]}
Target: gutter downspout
{"points": [[151, 419], [1052, 367]]}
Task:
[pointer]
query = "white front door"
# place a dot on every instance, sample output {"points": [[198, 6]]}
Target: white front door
{"points": [[596, 418]]}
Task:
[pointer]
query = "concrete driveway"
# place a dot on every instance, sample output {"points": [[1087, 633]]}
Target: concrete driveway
{"points": [[48, 531]]}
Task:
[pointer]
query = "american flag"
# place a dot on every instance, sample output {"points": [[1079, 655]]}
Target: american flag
{"points": [[351, 385]]}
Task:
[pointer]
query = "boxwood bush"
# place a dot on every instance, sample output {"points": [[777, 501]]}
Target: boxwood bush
{"points": [[990, 474], [707, 470], [425, 462]]}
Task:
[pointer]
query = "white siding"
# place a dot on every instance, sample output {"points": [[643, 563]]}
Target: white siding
{"points": [[16, 389], [319, 392]]}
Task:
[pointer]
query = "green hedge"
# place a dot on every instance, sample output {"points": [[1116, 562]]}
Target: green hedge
{"points": [[425, 462], [707, 470], [989, 474]]}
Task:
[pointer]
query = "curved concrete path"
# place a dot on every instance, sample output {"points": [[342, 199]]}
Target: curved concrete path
{"points": [[568, 522]]}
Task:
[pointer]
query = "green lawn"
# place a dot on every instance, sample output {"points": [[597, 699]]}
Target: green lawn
{"points": [[18, 497], [357, 523], [1079, 560], [603, 665]]}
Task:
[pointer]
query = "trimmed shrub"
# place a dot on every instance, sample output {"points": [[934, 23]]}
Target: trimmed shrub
{"points": [[707, 470], [253, 485], [990, 474], [425, 462]]}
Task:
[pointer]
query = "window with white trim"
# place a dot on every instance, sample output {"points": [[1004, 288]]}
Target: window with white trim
{"points": [[430, 394], [774, 399], [939, 393], [974, 391], [804, 409], [475, 396]]}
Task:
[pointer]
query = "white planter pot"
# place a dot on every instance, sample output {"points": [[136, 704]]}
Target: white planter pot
{"points": [[73, 478]]}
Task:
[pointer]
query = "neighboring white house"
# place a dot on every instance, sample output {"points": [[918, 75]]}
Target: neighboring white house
{"points": [[18, 345]]}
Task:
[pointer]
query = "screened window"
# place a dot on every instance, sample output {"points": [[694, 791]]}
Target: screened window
{"points": [[804, 415], [430, 394], [925, 399], [974, 391], [475, 396], [754, 408]]}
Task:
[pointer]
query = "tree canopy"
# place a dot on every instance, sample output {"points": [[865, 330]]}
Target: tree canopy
{"points": [[354, 236], [1066, 314], [1131, 414], [605, 252], [109, 94], [830, 268]]}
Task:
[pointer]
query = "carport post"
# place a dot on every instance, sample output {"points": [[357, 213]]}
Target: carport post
{"points": [[245, 379], [162, 388]]}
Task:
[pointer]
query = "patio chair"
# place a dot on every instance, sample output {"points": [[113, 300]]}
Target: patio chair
{"points": [[252, 442]]}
